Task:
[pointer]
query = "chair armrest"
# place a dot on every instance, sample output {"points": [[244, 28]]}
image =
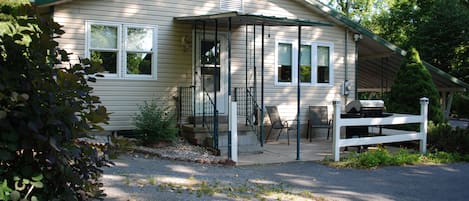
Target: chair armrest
{"points": [[288, 123]]}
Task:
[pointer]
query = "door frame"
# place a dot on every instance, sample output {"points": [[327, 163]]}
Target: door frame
{"points": [[222, 95]]}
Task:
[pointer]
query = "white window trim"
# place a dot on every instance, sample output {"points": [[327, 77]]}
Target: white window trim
{"points": [[232, 5], [313, 79], [294, 63], [331, 62], [121, 71], [119, 47], [154, 52], [314, 45]]}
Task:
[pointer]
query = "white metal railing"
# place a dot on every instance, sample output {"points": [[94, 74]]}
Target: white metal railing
{"points": [[400, 136]]}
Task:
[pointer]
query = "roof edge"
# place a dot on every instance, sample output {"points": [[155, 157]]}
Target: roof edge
{"points": [[445, 75], [45, 3], [277, 21]]}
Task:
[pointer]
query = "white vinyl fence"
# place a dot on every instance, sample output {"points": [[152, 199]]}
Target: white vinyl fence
{"points": [[391, 136]]}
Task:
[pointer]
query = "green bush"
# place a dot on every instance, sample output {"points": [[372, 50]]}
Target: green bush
{"points": [[155, 124], [43, 112], [382, 157], [442, 137], [413, 81]]}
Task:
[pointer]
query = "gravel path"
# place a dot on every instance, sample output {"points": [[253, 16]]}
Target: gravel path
{"points": [[139, 178]]}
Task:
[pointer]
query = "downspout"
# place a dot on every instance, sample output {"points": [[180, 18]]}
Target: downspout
{"points": [[346, 64], [356, 38], [347, 8]]}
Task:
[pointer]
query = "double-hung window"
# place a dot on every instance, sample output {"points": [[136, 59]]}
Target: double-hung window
{"points": [[123, 50], [324, 62], [315, 63], [285, 63]]}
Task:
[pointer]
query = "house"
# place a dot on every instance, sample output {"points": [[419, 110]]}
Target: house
{"points": [[199, 55]]}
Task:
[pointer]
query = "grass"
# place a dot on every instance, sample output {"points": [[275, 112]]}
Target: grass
{"points": [[245, 191], [382, 157]]}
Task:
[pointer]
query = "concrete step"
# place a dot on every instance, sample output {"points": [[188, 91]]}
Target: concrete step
{"points": [[198, 119], [247, 138]]}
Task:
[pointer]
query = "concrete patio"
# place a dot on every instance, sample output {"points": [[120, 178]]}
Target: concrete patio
{"points": [[281, 152]]}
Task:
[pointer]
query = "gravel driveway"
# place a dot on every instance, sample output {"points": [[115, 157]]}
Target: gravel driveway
{"points": [[138, 178]]}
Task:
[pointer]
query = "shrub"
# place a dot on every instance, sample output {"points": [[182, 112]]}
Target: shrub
{"points": [[43, 111], [155, 124], [413, 81], [442, 137]]}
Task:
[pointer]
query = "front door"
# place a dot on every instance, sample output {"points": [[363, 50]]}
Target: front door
{"points": [[211, 72]]}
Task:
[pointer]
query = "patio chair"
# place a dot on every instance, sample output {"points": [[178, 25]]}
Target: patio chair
{"points": [[277, 123], [318, 118]]}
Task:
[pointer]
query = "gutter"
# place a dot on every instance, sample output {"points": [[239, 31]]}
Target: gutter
{"points": [[46, 3]]}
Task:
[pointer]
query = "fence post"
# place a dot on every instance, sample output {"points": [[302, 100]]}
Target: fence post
{"points": [[234, 131], [423, 124], [336, 130]]}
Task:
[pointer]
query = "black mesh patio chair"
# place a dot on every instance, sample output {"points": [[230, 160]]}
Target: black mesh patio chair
{"points": [[277, 123], [318, 118]]}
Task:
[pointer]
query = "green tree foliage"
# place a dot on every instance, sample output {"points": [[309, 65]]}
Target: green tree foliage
{"points": [[43, 111], [398, 23], [361, 11], [443, 36], [438, 28], [413, 81]]}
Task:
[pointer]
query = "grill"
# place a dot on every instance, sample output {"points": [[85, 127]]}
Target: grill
{"points": [[362, 109], [366, 108]]}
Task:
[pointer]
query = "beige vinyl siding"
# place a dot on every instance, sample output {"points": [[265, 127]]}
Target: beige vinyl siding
{"points": [[174, 67]]}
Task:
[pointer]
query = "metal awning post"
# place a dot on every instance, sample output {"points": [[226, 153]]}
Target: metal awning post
{"points": [[203, 78], [298, 139], [261, 118], [195, 73], [216, 77], [246, 74], [229, 91], [261, 121]]}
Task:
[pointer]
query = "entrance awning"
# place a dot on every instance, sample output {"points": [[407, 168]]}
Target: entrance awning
{"points": [[229, 19], [238, 18]]}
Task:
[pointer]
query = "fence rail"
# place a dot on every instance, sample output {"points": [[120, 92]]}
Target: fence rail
{"points": [[396, 136]]}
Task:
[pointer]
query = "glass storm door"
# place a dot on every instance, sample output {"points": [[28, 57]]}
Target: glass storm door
{"points": [[211, 71]]}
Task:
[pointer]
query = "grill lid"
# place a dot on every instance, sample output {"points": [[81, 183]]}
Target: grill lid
{"points": [[357, 106]]}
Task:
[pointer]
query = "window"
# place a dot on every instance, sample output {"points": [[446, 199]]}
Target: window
{"points": [[232, 5], [284, 66], [210, 64], [315, 63], [323, 64], [124, 51], [305, 64]]}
